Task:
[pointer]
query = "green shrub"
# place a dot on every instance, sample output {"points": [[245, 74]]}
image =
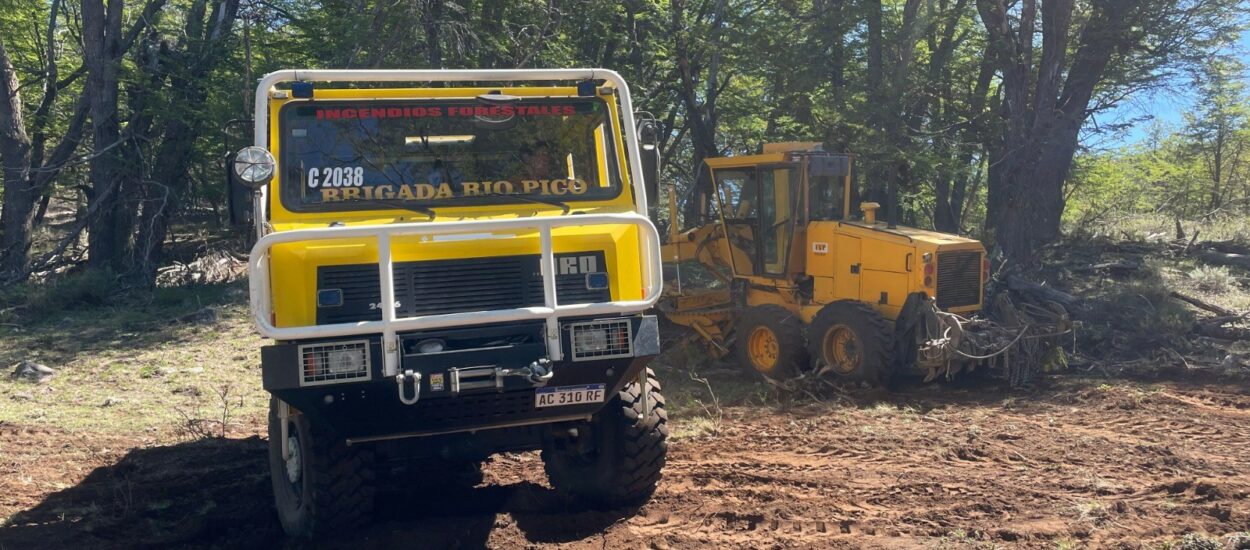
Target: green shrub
{"points": [[1214, 279]]}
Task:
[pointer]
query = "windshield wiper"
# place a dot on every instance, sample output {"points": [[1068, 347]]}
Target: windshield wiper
{"points": [[400, 205], [528, 198]]}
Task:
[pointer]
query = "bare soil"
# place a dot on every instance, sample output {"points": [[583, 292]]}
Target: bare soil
{"points": [[1079, 463]]}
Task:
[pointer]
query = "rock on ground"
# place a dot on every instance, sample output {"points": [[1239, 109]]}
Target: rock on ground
{"points": [[30, 371]]}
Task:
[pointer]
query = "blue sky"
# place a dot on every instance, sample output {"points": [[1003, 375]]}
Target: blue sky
{"points": [[1165, 108]]}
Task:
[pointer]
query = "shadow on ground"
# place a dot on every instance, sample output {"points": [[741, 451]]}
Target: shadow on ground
{"points": [[215, 493]]}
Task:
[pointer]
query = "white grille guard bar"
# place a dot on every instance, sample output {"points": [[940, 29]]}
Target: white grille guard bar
{"points": [[551, 311]]}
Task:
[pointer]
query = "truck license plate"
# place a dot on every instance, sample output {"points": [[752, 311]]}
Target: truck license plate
{"points": [[568, 395]]}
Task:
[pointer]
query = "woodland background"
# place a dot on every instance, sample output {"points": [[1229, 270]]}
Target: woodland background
{"points": [[1003, 119]]}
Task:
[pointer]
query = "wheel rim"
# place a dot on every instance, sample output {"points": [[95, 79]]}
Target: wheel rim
{"points": [[763, 349], [293, 466], [841, 349], [292, 463]]}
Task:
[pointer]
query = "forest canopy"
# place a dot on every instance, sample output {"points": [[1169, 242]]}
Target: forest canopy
{"points": [[981, 114]]}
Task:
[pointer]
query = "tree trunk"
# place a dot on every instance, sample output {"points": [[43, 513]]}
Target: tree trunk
{"points": [[167, 183], [432, 19], [1045, 107], [701, 116], [101, 33], [19, 196]]}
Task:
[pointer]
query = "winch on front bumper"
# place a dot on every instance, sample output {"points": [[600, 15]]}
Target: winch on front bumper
{"points": [[461, 379]]}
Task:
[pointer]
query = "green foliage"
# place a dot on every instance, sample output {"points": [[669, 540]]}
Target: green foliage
{"points": [[1198, 171], [786, 71]]}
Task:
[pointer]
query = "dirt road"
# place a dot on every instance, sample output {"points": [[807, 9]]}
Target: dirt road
{"points": [[1080, 464]]}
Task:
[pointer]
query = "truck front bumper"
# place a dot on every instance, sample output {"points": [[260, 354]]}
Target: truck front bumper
{"points": [[463, 379]]}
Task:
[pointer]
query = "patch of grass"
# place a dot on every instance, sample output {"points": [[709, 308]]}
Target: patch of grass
{"points": [[126, 367], [963, 539], [1238, 541], [84, 289], [1194, 541], [696, 426], [884, 409], [1213, 279], [1092, 511], [1144, 227]]}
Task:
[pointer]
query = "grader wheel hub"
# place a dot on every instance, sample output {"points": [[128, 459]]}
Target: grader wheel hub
{"points": [[842, 349], [764, 349]]}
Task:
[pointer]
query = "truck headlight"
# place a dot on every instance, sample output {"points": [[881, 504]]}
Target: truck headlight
{"points": [[591, 340], [334, 362], [345, 361], [601, 339]]}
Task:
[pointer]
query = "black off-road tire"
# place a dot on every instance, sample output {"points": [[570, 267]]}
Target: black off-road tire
{"points": [[621, 464], [334, 490], [790, 356], [873, 342]]}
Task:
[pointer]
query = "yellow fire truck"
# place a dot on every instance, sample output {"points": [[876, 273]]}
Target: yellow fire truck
{"points": [[453, 264]]}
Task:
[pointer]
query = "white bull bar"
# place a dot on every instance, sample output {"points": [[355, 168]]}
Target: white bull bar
{"points": [[551, 311]]}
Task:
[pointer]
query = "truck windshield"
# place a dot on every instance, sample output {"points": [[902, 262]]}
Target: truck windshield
{"points": [[338, 155]]}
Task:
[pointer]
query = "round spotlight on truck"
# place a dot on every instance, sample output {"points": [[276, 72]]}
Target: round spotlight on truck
{"points": [[254, 166]]}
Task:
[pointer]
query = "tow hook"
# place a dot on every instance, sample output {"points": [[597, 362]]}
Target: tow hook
{"points": [[541, 372], [537, 373], [401, 379]]}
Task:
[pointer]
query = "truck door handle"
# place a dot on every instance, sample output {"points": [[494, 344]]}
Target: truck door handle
{"points": [[855, 268]]}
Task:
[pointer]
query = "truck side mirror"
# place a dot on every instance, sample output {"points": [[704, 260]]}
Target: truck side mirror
{"points": [[236, 133], [248, 170], [238, 197], [649, 148]]}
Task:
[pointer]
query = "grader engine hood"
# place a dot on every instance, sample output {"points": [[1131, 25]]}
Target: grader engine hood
{"points": [[883, 266], [337, 281]]}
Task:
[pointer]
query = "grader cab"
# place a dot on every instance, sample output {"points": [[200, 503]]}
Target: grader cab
{"points": [[804, 285]]}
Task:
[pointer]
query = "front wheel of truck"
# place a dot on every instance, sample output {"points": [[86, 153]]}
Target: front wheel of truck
{"points": [[323, 485], [619, 462]]}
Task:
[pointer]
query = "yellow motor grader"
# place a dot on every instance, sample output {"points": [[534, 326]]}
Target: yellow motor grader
{"points": [[800, 284]]}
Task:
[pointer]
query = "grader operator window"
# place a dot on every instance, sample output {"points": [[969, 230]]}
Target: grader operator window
{"points": [[759, 206], [339, 155], [825, 198], [778, 205]]}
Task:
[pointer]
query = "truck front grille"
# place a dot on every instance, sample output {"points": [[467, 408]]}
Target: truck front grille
{"points": [[437, 287], [958, 278]]}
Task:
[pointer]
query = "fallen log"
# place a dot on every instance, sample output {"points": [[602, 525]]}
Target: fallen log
{"points": [[1117, 268], [1024, 286], [1223, 258], [1205, 306], [1221, 332], [1227, 247]]}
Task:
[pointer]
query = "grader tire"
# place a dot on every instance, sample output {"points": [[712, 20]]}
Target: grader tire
{"points": [[333, 485], [628, 449], [853, 341], [770, 341]]}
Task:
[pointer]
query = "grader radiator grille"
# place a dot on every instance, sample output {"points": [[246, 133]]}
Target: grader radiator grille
{"points": [[958, 278]]}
